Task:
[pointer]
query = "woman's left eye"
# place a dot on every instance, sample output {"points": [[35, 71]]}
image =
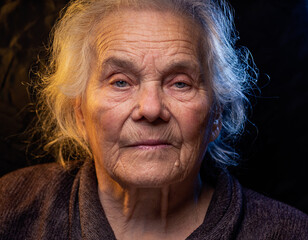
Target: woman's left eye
{"points": [[180, 84]]}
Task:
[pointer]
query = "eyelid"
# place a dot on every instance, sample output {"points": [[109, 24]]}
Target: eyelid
{"points": [[116, 77], [181, 77]]}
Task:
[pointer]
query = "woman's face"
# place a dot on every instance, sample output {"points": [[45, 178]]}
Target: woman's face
{"points": [[146, 110]]}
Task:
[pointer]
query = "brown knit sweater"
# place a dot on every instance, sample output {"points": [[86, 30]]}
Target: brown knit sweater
{"points": [[47, 202]]}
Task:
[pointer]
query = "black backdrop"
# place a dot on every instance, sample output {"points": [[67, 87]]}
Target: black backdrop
{"points": [[274, 148]]}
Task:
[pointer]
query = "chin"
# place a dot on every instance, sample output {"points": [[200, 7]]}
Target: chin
{"points": [[151, 169], [148, 178]]}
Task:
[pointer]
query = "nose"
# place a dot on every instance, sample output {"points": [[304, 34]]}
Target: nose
{"points": [[150, 104]]}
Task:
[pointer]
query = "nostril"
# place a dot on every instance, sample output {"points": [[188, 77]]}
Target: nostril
{"points": [[156, 122], [154, 116]]}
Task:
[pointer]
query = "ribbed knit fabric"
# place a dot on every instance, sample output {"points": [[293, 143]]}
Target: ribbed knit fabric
{"points": [[47, 202]]}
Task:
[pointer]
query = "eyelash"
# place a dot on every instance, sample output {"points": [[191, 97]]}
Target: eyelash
{"points": [[180, 87], [120, 82], [181, 83]]}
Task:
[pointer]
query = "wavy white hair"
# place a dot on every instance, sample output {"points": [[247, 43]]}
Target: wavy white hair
{"points": [[69, 67]]}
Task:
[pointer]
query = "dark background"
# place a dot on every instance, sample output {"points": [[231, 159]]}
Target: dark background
{"points": [[274, 147]]}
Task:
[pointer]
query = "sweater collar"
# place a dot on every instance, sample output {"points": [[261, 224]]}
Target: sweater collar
{"points": [[94, 223], [225, 210]]}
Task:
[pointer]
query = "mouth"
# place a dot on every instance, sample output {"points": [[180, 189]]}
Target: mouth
{"points": [[150, 144]]}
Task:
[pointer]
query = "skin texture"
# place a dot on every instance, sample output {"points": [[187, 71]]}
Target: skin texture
{"points": [[146, 114]]}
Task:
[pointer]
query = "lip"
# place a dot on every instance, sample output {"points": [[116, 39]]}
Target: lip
{"points": [[150, 144]]}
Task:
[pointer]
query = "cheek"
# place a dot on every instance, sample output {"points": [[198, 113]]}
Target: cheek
{"points": [[106, 114], [193, 119], [104, 122]]}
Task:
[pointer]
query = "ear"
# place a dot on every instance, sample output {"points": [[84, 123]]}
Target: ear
{"points": [[79, 116]]}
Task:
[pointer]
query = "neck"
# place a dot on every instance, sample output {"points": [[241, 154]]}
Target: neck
{"points": [[167, 210]]}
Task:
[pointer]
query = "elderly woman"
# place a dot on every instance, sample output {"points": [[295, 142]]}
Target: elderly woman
{"points": [[136, 92]]}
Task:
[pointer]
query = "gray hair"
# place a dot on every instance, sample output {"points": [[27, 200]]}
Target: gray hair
{"points": [[69, 67]]}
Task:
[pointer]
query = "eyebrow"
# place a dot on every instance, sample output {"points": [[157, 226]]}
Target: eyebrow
{"points": [[122, 64], [183, 65], [130, 66]]}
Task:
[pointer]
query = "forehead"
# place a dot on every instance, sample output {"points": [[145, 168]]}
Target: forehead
{"points": [[140, 35]]}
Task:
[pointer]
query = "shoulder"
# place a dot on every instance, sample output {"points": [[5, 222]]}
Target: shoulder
{"points": [[25, 183], [32, 193], [273, 219]]}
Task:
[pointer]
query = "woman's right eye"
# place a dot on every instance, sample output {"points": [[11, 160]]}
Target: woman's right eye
{"points": [[121, 83]]}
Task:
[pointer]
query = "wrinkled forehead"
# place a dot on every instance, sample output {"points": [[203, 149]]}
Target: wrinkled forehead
{"points": [[137, 33]]}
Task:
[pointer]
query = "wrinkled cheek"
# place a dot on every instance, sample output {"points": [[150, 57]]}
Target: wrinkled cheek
{"points": [[102, 134], [195, 135], [194, 127]]}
